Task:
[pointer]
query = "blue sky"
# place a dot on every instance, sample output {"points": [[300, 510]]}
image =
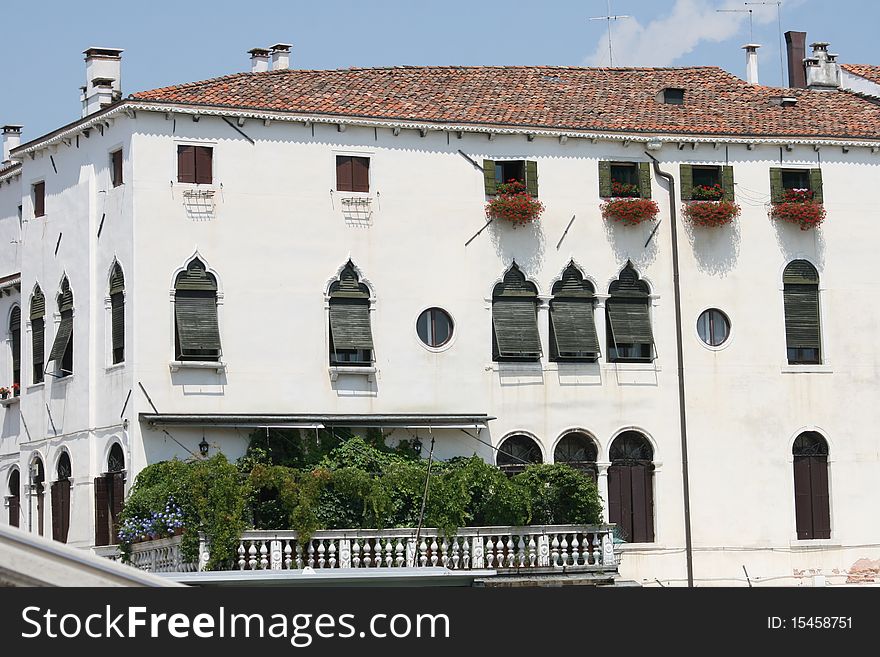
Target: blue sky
{"points": [[173, 42]]}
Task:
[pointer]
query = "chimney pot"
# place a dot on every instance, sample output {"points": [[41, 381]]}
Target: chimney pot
{"points": [[259, 60], [822, 69], [751, 62], [11, 139], [281, 56]]}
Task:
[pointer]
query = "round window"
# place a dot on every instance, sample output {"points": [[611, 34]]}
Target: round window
{"points": [[434, 327], [713, 327]]}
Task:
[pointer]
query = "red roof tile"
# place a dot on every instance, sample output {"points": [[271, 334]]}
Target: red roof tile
{"points": [[867, 71], [600, 99]]}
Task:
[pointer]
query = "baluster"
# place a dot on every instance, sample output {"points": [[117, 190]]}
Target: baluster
{"points": [[510, 553], [398, 553], [434, 548], [321, 551], [287, 554], [575, 552], [554, 550], [490, 552], [252, 556], [563, 550], [444, 553], [389, 549], [423, 553], [310, 559], [331, 551], [367, 560], [455, 558], [520, 552], [299, 556], [468, 559], [356, 553], [264, 558], [532, 551]]}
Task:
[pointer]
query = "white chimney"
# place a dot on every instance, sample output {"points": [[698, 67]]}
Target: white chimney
{"points": [[823, 71], [751, 62], [103, 78], [259, 60], [11, 139], [281, 56]]}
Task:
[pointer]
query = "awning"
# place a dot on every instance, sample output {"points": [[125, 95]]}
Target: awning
{"points": [[311, 421]]}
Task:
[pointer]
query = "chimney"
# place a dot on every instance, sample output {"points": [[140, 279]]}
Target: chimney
{"points": [[103, 78], [822, 69], [794, 45], [751, 62], [281, 56], [11, 139], [259, 60]]}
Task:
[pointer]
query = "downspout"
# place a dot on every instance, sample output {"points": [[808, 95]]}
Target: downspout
{"points": [[689, 548]]}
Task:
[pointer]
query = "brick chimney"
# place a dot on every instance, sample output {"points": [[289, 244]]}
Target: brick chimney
{"points": [[822, 69], [281, 56], [795, 46], [259, 60], [11, 139], [751, 62], [103, 78]]}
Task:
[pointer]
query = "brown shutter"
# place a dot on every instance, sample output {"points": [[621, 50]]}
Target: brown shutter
{"points": [[186, 164], [360, 174], [116, 163], [41, 505], [116, 505], [204, 165], [14, 510], [626, 504], [60, 510], [39, 199], [65, 505], [803, 503], [819, 494], [102, 535], [344, 174], [639, 502], [56, 511]]}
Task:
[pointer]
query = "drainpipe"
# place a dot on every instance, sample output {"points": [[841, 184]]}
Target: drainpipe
{"points": [[689, 548]]}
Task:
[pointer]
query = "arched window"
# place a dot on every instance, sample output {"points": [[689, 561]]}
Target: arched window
{"points": [[628, 320], [38, 477], [109, 496], [800, 295], [631, 487], [812, 512], [516, 452], [14, 498], [117, 313], [15, 339], [38, 326], [60, 491], [515, 319], [579, 451], [196, 329], [351, 339], [572, 327], [62, 348]]}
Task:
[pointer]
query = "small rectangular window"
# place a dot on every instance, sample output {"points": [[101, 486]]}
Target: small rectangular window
{"points": [[795, 179], [195, 164], [706, 176], [39, 199], [507, 170], [116, 168], [352, 174]]}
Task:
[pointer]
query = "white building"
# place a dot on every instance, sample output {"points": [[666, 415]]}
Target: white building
{"points": [[226, 226]]}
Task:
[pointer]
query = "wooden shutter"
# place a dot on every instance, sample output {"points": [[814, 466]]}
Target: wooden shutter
{"points": [[489, 177], [350, 324], [626, 507], [819, 496], [117, 321], [686, 174], [644, 180], [117, 498], [532, 177], [186, 164], [360, 174], [116, 167], [574, 328], [54, 492], [15, 330], [801, 304], [630, 320], [62, 337], [60, 492], [727, 183], [642, 501], [803, 499], [515, 323], [775, 185], [816, 185], [39, 199], [344, 174], [604, 179], [14, 510], [37, 348], [195, 314], [204, 158]]}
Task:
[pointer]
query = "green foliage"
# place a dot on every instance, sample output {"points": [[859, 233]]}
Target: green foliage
{"points": [[559, 495]]}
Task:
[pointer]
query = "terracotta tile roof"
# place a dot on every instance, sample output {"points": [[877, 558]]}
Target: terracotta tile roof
{"points": [[867, 71], [600, 99]]}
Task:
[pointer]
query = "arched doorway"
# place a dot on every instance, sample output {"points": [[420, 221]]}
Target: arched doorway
{"points": [[631, 487], [811, 501], [109, 496], [14, 498], [61, 499]]}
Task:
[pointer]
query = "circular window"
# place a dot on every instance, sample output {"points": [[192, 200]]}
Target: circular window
{"points": [[434, 327], [713, 327]]}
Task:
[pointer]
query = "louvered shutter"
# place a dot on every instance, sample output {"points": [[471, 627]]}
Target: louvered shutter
{"points": [[489, 177], [186, 164], [803, 502], [117, 498], [38, 305], [574, 327], [515, 323], [197, 327], [816, 185], [204, 156], [14, 510], [63, 336], [350, 324], [55, 495], [801, 316], [117, 321], [604, 179], [37, 348], [819, 494], [775, 185], [644, 180], [686, 175], [532, 177], [60, 492], [102, 522], [727, 183], [39, 199], [360, 174], [15, 330], [630, 320]]}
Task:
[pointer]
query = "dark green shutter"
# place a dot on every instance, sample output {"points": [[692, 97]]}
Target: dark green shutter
{"points": [[197, 327], [630, 320], [117, 281], [801, 316], [62, 337], [574, 327], [15, 330], [800, 272], [532, 177], [604, 179], [38, 347], [775, 185], [816, 184], [515, 322], [350, 324], [687, 181], [644, 180], [489, 176], [195, 278], [117, 320], [38, 305], [727, 182]]}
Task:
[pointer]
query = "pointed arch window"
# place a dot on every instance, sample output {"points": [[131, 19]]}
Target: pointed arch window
{"points": [[117, 314], [631, 487], [62, 348], [515, 319], [196, 327], [60, 492], [572, 326], [811, 500], [14, 498], [516, 452], [800, 293], [351, 337], [628, 319], [38, 334], [15, 339]]}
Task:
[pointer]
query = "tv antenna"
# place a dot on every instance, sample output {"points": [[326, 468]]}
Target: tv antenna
{"points": [[741, 11], [779, 25], [608, 18]]}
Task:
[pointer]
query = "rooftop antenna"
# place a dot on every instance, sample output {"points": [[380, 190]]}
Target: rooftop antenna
{"points": [[608, 18], [741, 11], [779, 25]]}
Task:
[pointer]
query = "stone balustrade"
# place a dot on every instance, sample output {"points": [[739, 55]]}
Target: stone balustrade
{"points": [[159, 556]]}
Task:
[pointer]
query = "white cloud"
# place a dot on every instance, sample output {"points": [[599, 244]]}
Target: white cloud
{"points": [[663, 40]]}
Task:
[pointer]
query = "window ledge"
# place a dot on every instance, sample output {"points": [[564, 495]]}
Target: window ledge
{"points": [[632, 367], [535, 367], [638, 547], [36, 386], [9, 401], [367, 370], [814, 544], [806, 369], [115, 368], [177, 365]]}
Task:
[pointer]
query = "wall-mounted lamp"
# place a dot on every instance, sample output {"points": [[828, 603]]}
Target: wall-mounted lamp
{"points": [[417, 445], [654, 145], [203, 447]]}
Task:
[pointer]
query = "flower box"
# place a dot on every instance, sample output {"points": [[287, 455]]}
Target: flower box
{"points": [[798, 207], [630, 211], [710, 213], [514, 204]]}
